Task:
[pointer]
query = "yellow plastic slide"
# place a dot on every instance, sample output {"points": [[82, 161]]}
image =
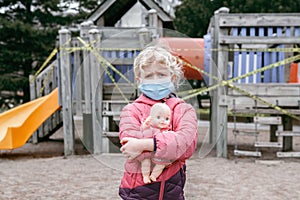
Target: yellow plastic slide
{"points": [[18, 124]]}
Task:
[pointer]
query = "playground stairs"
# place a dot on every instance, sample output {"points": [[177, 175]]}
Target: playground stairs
{"points": [[258, 145], [261, 148], [288, 135]]}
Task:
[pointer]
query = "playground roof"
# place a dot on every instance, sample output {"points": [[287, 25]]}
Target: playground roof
{"points": [[110, 11]]}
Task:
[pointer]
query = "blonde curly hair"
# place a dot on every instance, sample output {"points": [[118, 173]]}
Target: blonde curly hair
{"points": [[161, 55]]}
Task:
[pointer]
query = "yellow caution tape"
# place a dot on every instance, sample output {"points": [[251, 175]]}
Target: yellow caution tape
{"points": [[105, 64], [229, 83], [263, 101], [49, 58], [52, 54], [223, 83]]}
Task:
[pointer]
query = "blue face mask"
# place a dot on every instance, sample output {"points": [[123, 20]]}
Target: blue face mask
{"points": [[157, 89]]}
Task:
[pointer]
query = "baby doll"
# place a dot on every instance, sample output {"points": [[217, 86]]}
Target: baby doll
{"points": [[160, 116]]}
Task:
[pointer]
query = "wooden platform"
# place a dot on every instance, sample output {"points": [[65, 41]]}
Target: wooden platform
{"points": [[283, 95]]}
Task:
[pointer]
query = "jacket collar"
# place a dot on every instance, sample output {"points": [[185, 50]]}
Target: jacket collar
{"points": [[171, 102]]}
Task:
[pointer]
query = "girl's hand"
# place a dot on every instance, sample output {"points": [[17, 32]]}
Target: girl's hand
{"points": [[131, 147]]}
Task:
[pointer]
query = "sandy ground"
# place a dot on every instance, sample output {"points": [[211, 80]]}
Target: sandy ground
{"points": [[41, 172]]}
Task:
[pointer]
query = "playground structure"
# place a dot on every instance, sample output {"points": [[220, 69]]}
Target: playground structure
{"points": [[37, 119], [77, 74], [260, 46], [93, 72], [105, 67], [231, 43]]}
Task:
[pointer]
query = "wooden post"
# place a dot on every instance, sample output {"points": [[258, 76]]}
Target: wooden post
{"points": [[213, 94], [32, 87], [65, 66], [97, 89], [221, 91], [287, 140], [154, 23], [144, 37], [219, 61], [87, 112], [39, 93], [58, 117], [46, 124], [153, 19], [78, 80], [55, 116]]}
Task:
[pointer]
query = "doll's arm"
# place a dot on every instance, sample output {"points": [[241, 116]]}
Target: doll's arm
{"points": [[130, 124], [146, 124]]}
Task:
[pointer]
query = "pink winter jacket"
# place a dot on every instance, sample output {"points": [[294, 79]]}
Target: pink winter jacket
{"points": [[172, 148]]}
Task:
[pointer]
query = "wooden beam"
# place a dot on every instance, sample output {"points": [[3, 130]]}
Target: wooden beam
{"points": [[259, 20], [120, 61], [268, 144], [267, 120], [263, 111], [226, 39], [247, 153], [243, 102], [288, 154], [267, 89], [287, 133]]}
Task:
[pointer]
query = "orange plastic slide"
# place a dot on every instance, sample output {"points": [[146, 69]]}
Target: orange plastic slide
{"points": [[18, 124]]}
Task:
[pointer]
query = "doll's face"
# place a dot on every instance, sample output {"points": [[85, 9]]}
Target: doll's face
{"points": [[161, 119]]}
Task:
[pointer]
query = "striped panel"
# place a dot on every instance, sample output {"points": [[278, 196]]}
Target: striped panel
{"points": [[107, 54], [207, 57]]}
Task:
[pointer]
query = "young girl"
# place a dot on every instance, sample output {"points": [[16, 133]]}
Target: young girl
{"points": [[160, 116], [157, 72]]}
